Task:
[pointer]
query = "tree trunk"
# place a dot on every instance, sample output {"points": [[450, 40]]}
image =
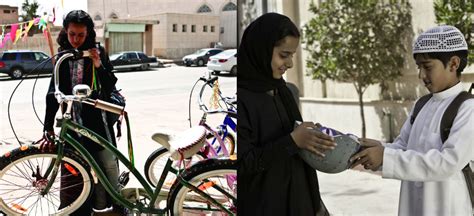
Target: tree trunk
{"points": [[361, 106]]}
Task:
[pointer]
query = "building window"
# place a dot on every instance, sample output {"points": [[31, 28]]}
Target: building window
{"points": [[175, 27], [222, 30], [204, 9], [113, 15], [184, 28], [97, 17], [229, 7], [6, 11], [193, 28], [204, 28], [212, 29]]}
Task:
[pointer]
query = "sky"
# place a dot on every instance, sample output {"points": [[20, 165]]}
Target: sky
{"points": [[48, 5]]}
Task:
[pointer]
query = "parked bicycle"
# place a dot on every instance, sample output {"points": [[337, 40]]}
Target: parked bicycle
{"points": [[219, 142], [30, 177]]}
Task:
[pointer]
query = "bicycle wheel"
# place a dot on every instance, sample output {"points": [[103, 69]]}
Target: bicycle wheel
{"points": [[155, 164], [229, 142], [21, 182], [217, 178]]}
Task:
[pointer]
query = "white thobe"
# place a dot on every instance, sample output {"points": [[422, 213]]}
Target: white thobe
{"points": [[432, 180]]}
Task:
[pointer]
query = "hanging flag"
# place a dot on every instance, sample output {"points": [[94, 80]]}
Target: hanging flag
{"points": [[42, 23], [30, 24], [5, 40], [18, 33], [25, 32], [13, 32]]}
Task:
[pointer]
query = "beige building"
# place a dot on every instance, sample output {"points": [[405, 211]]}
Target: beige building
{"points": [[384, 113], [213, 20], [181, 34], [8, 14]]}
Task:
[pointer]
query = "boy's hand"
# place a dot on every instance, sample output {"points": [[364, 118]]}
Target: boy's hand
{"points": [[306, 137], [370, 158]]}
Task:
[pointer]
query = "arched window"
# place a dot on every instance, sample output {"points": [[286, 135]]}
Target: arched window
{"points": [[204, 9], [113, 15], [97, 17], [229, 7]]}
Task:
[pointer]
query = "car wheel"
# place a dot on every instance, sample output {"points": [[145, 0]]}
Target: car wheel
{"points": [[200, 62], [16, 73], [144, 67], [233, 70]]}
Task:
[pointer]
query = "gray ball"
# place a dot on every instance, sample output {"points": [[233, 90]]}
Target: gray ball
{"points": [[336, 160]]}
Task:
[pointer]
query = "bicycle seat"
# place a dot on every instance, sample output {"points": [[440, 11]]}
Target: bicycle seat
{"points": [[187, 143], [163, 139], [336, 160]]}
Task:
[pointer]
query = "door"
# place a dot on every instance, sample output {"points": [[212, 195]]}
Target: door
{"points": [[125, 41]]}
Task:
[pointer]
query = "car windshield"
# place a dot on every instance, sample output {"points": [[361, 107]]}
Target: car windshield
{"points": [[201, 51], [114, 56]]}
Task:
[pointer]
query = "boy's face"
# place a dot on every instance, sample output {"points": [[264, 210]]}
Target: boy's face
{"points": [[435, 75]]}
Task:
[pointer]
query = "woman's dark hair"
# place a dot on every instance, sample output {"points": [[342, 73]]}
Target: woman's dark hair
{"points": [[286, 29], [444, 57], [77, 17]]}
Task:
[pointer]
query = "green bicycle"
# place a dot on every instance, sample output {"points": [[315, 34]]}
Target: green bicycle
{"points": [[31, 181]]}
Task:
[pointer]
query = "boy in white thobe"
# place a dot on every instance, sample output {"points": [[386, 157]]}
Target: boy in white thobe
{"points": [[430, 170]]}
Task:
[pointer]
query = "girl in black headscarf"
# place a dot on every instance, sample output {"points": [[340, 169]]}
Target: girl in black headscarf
{"points": [[273, 179], [78, 33]]}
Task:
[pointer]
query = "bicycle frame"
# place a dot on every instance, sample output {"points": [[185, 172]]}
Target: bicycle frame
{"points": [[64, 137], [228, 122]]}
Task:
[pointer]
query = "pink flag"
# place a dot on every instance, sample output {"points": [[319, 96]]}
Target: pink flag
{"points": [[13, 31]]}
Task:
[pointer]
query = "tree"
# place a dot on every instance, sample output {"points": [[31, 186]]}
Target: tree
{"points": [[362, 42], [457, 13], [29, 10]]}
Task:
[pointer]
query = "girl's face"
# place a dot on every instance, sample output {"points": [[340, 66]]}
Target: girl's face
{"points": [[435, 75], [283, 54], [76, 34]]}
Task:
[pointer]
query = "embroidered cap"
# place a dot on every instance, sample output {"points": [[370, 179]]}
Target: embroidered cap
{"points": [[443, 38]]}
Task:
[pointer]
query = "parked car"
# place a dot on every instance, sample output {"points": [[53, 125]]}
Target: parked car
{"points": [[15, 63], [224, 61], [131, 60], [200, 57]]}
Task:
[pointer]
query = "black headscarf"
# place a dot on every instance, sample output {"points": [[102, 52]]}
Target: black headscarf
{"points": [[255, 56]]}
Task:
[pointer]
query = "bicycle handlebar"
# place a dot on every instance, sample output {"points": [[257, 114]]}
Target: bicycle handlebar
{"points": [[81, 92], [203, 107], [69, 53]]}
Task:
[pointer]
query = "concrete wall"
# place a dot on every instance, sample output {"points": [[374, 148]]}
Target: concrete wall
{"points": [[169, 44], [8, 14]]}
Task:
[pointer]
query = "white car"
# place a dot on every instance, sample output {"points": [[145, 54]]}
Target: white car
{"points": [[224, 61]]}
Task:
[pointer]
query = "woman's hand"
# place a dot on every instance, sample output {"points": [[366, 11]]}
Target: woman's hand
{"points": [[95, 56], [307, 137], [47, 141]]}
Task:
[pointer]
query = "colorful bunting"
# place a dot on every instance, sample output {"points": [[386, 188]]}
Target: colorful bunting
{"points": [[20, 30]]}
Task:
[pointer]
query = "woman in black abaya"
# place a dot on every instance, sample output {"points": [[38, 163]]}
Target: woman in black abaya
{"points": [[272, 178]]}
